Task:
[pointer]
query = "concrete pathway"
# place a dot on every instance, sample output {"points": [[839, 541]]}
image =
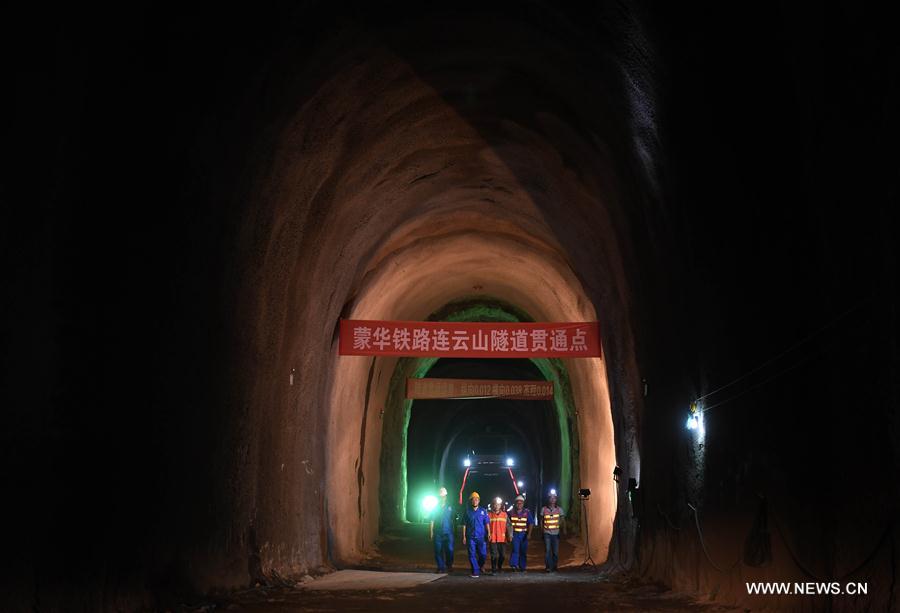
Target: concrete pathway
{"points": [[368, 580]]}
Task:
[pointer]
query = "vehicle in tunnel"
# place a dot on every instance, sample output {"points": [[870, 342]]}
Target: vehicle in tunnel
{"points": [[492, 466], [493, 482]]}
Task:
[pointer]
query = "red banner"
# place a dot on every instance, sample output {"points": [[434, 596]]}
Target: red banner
{"points": [[433, 388], [470, 339]]}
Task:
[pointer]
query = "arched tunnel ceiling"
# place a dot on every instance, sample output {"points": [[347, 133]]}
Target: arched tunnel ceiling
{"points": [[203, 193], [422, 278], [404, 182]]}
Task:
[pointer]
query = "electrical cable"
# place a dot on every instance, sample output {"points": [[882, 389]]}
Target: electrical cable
{"points": [[758, 385], [797, 562], [666, 517], [856, 569], [788, 350], [800, 565], [703, 544]]}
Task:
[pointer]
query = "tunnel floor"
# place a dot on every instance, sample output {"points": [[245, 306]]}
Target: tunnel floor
{"points": [[567, 590], [407, 550]]}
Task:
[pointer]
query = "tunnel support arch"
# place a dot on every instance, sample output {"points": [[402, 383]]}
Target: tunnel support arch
{"points": [[398, 408]]}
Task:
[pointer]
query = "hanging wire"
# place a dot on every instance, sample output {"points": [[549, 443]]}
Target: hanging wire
{"points": [[665, 516], [805, 569], [799, 343], [886, 533], [705, 550], [760, 384]]}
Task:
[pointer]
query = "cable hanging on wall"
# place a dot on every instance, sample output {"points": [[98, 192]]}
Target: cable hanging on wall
{"points": [[805, 569], [885, 534], [758, 385], [665, 516], [778, 356], [705, 550]]}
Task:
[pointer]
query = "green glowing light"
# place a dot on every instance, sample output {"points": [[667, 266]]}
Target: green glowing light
{"points": [[428, 503]]}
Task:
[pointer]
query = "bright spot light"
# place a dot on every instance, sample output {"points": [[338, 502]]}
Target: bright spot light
{"points": [[429, 502], [467, 462], [695, 422], [520, 483], [498, 500], [509, 461], [553, 492]]}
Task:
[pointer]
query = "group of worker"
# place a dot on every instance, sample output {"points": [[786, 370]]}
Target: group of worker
{"points": [[492, 529]]}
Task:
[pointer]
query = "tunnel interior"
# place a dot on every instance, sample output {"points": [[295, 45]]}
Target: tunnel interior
{"points": [[442, 433], [205, 195], [385, 494]]}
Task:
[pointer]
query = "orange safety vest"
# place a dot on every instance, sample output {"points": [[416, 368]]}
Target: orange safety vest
{"points": [[551, 520], [519, 523], [498, 526]]}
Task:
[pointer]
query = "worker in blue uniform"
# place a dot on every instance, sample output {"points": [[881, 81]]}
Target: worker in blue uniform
{"points": [[520, 520], [475, 529], [443, 516]]}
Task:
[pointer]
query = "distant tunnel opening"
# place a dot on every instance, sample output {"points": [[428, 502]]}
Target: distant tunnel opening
{"points": [[405, 448], [543, 430], [444, 432]]}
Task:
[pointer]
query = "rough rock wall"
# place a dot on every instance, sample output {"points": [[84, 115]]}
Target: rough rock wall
{"points": [[415, 209], [224, 186], [778, 307], [210, 193]]}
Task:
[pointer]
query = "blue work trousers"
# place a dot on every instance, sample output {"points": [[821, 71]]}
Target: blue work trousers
{"points": [[443, 551], [551, 544], [477, 553], [519, 557]]}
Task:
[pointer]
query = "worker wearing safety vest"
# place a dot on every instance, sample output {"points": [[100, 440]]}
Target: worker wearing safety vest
{"points": [[552, 519], [443, 516], [475, 528], [520, 521], [498, 536]]}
